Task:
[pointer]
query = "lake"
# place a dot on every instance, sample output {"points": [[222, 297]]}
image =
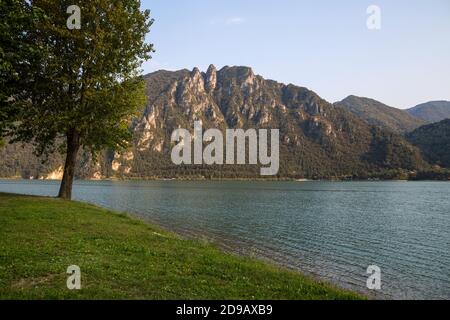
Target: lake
{"points": [[330, 230]]}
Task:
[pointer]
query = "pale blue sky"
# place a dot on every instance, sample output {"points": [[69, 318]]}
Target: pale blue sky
{"points": [[324, 45]]}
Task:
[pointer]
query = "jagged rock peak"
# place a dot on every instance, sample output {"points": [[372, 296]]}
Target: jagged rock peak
{"points": [[211, 68], [211, 78], [195, 71], [195, 81]]}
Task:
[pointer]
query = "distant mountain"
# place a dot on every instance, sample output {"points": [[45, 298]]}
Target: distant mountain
{"points": [[379, 114], [434, 142], [433, 111], [317, 139]]}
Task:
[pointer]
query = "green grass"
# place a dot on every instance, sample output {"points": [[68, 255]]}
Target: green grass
{"points": [[124, 258]]}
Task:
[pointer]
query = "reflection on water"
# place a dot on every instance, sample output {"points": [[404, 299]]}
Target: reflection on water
{"points": [[333, 230]]}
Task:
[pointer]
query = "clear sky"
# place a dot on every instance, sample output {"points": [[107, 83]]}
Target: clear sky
{"points": [[323, 45]]}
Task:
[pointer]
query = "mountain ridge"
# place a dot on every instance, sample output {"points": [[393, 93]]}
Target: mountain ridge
{"points": [[434, 142], [380, 114], [432, 111], [317, 139]]}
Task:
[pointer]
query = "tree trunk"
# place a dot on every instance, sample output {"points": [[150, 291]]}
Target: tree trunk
{"points": [[73, 145]]}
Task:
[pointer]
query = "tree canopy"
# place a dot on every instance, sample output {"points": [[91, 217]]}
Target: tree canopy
{"points": [[17, 18]]}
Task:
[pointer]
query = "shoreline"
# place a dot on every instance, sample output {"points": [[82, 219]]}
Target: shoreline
{"points": [[145, 240], [234, 179], [229, 246], [233, 248]]}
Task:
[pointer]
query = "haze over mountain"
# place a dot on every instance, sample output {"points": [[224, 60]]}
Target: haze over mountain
{"points": [[318, 140], [433, 111], [379, 114]]}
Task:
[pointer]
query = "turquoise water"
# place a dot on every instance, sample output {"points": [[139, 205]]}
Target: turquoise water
{"points": [[332, 230]]}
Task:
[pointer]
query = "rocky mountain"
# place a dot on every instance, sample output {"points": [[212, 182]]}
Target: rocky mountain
{"points": [[317, 139], [433, 111], [434, 142], [379, 114]]}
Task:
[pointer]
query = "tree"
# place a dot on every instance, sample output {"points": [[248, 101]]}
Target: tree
{"points": [[85, 87], [16, 19]]}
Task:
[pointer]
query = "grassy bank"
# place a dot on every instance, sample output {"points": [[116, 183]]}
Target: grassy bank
{"points": [[121, 257]]}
